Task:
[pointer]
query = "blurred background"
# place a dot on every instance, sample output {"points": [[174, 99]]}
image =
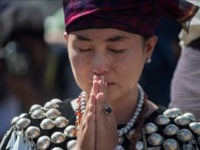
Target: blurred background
{"points": [[34, 67]]}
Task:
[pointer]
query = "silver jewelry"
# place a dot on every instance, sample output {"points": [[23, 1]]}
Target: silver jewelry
{"points": [[107, 109]]}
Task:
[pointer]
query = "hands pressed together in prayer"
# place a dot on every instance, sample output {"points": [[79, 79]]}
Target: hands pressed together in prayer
{"points": [[97, 130]]}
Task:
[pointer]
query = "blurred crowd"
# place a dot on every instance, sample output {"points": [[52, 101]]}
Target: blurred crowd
{"points": [[34, 66]]}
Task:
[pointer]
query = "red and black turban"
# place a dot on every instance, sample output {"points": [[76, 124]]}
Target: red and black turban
{"points": [[135, 16]]}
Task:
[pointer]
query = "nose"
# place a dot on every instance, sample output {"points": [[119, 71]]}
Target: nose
{"points": [[100, 64]]}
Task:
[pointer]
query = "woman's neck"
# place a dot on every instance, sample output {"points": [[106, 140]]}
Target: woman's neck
{"points": [[125, 106]]}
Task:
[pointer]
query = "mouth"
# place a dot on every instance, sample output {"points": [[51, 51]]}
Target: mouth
{"points": [[109, 84]]}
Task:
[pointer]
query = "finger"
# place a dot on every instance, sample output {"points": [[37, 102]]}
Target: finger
{"points": [[86, 131], [90, 107], [106, 130], [95, 85], [103, 86]]}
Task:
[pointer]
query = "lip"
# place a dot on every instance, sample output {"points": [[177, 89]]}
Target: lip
{"points": [[108, 83]]}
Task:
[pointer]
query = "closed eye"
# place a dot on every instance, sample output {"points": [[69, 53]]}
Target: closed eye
{"points": [[117, 51], [84, 50]]}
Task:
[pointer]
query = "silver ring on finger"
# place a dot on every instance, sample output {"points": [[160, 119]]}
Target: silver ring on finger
{"points": [[107, 109]]}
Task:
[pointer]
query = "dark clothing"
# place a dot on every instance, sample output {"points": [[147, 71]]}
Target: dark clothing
{"points": [[67, 111]]}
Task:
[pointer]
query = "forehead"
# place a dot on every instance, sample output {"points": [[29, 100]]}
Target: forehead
{"points": [[107, 35]]}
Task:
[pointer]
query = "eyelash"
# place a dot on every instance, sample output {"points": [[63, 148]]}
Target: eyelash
{"points": [[112, 50], [117, 51], [84, 50]]}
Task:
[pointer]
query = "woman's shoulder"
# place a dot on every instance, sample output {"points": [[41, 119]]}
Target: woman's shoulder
{"points": [[43, 127], [170, 128]]}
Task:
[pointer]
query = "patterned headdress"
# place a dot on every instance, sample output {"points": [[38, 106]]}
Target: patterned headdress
{"points": [[135, 16]]}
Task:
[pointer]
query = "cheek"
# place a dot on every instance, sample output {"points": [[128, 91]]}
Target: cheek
{"points": [[130, 66], [80, 68]]}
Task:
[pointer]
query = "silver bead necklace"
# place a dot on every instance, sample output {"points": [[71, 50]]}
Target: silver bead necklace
{"points": [[131, 122]]}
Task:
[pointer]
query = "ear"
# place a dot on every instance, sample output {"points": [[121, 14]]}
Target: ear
{"points": [[150, 45], [65, 36]]}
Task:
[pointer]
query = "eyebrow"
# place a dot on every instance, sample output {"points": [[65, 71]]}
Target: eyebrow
{"points": [[111, 39]]}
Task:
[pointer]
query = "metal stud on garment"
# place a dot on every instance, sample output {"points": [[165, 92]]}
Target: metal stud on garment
{"points": [[182, 120], [170, 144], [53, 113], [130, 134], [173, 112], [190, 116], [38, 114], [71, 144], [150, 128], [170, 130], [162, 120], [57, 137], [47, 124], [57, 148], [139, 145], [22, 123], [184, 135], [23, 115], [155, 139], [43, 142], [195, 127], [50, 105], [56, 100], [32, 132], [70, 131], [61, 122], [35, 107], [14, 120]]}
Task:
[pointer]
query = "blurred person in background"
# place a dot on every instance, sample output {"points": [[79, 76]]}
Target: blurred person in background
{"points": [[54, 27], [32, 71], [185, 88], [157, 73]]}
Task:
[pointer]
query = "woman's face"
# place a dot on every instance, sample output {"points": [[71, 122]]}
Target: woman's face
{"points": [[117, 55]]}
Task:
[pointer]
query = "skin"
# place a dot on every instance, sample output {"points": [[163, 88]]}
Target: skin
{"points": [[107, 64]]}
